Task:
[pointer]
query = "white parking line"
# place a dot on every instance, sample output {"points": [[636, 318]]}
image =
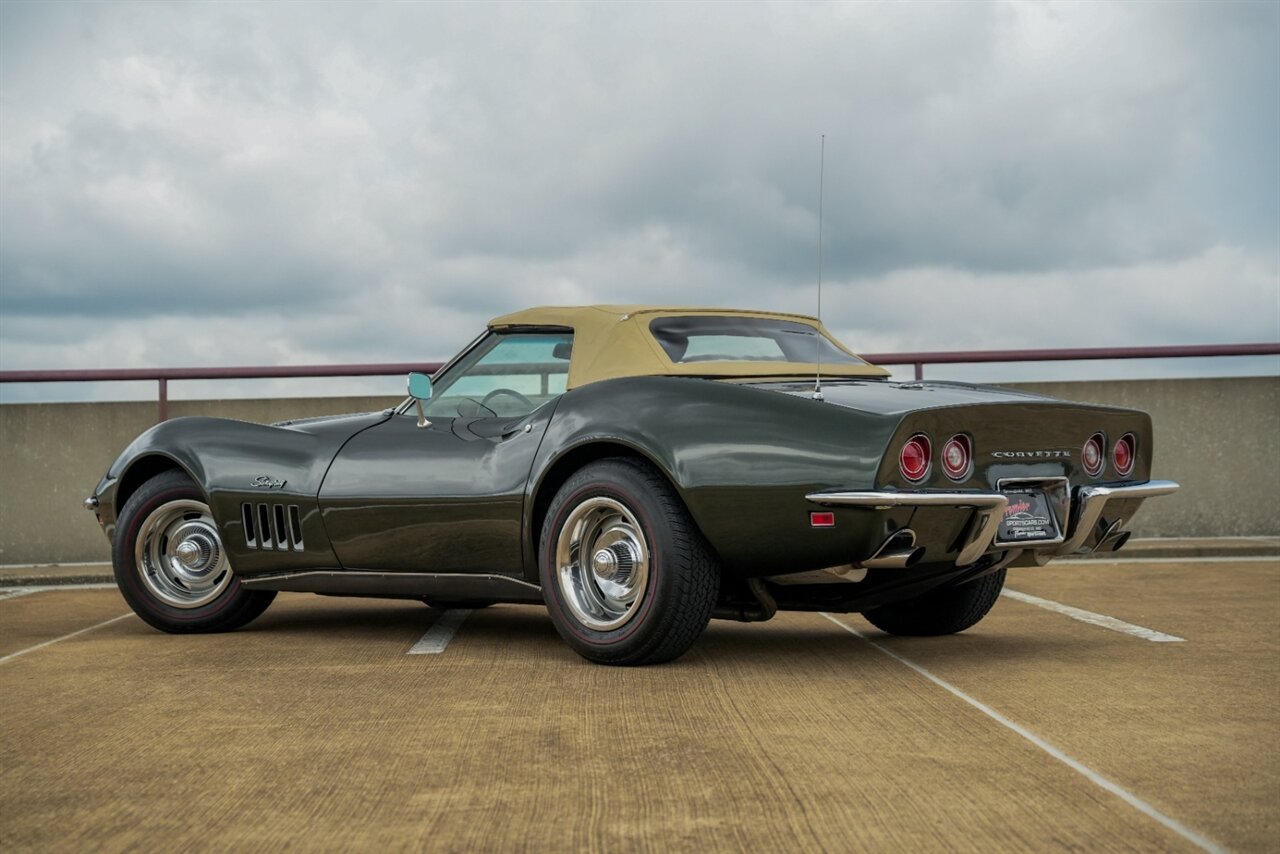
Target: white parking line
{"points": [[437, 638], [15, 592], [103, 563], [1075, 765], [1120, 558], [1094, 619], [13, 655]]}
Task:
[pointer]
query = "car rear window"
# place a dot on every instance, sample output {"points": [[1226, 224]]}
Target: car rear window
{"points": [[744, 339]]}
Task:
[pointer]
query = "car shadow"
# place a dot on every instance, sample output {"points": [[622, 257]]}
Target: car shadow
{"points": [[530, 626], [388, 617]]}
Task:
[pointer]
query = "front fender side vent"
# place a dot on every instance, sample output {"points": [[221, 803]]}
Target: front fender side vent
{"points": [[250, 530], [272, 526]]}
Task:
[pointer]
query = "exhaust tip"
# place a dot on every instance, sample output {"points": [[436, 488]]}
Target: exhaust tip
{"points": [[899, 551]]}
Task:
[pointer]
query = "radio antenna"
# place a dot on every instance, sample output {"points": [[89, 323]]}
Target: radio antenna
{"points": [[817, 349]]}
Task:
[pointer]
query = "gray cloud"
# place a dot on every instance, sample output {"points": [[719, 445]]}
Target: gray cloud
{"points": [[231, 183]]}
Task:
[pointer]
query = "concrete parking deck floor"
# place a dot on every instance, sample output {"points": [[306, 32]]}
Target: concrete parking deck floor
{"points": [[313, 729]]}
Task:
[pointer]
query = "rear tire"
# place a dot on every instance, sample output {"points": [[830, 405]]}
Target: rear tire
{"points": [[170, 564], [627, 576], [940, 612]]}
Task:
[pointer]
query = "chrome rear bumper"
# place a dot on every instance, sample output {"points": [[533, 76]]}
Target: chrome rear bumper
{"points": [[1091, 500], [1087, 505]]}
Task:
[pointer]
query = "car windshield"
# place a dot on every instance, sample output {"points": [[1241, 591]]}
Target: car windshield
{"points": [[506, 374], [745, 339]]}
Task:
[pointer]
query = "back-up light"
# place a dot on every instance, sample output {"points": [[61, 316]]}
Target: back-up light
{"points": [[913, 460], [957, 455], [1094, 455], [1122, 455]]}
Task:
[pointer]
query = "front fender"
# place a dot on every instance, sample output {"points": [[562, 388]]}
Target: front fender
{"points": [[237, 463]]}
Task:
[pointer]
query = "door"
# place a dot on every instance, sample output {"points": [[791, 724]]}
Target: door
{"points": [[449, 497]]}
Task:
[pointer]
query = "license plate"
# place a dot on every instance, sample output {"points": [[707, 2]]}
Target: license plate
{"points": [[1028, 518]]}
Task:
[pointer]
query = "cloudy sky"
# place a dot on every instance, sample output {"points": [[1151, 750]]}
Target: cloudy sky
{"points": [[253, 183]]}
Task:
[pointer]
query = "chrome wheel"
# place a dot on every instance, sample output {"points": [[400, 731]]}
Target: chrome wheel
{"points": [[602, 563], [179, 555]]}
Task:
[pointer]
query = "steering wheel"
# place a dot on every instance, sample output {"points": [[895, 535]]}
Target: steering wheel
{"points": [[510, 392]]}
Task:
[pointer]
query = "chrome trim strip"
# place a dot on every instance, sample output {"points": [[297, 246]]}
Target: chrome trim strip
{"points": [[1092, 499], [415, 585], [886, 500], [372, 574]]}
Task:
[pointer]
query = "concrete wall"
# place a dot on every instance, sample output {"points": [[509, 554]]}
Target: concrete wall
{"points": [[52, 455], [1219, 438]]}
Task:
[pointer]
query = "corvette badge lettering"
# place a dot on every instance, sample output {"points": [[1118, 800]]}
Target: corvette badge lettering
{"points": [[1022, 455], [263, 481]]}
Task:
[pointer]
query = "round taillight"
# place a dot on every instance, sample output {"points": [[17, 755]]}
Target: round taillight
{"points": [[1093, 456], [957, 456], [1123, 455], [913, 460]]}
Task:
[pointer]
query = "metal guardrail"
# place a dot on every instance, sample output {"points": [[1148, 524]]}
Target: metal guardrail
{"points": [[163, 375], [1070, 354], [918, 359]]}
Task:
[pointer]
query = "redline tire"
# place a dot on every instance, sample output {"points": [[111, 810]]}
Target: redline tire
{"points": [[167, 500], [631, 511]]}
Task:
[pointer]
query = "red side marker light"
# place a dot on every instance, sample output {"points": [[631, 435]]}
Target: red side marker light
{"points": [[822, 520]]}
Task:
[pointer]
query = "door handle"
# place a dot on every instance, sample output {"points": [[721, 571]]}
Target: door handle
{"points": [[525, 429]]}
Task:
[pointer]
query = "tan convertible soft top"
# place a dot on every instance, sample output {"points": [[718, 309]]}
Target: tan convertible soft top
{"points": [[614, 341]]}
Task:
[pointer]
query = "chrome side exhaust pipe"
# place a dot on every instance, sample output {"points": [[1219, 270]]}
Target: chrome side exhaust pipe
{"points": [[1112, 539], [899, 551], [764, 609]]}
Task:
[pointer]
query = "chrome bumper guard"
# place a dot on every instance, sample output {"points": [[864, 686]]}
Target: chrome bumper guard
{"points": [[1087, 507], [1090, 501]]}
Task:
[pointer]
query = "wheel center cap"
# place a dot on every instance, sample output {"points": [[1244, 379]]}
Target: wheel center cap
{"points": [[188, 552], [195, 554], [614, 563], [605, 564]]}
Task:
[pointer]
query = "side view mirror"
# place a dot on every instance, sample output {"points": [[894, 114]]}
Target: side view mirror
{"points": [[419, 386], [420, 390]]}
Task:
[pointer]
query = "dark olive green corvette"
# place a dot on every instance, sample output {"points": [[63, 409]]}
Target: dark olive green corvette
{"points": [[640, 470]]}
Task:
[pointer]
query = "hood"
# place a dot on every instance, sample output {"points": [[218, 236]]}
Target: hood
{"points": [[329, 424], [889, 398]]}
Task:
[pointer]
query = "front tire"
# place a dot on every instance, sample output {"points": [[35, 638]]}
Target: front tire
{"points": [[940, 612], [627, 576], [170, 564]]}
